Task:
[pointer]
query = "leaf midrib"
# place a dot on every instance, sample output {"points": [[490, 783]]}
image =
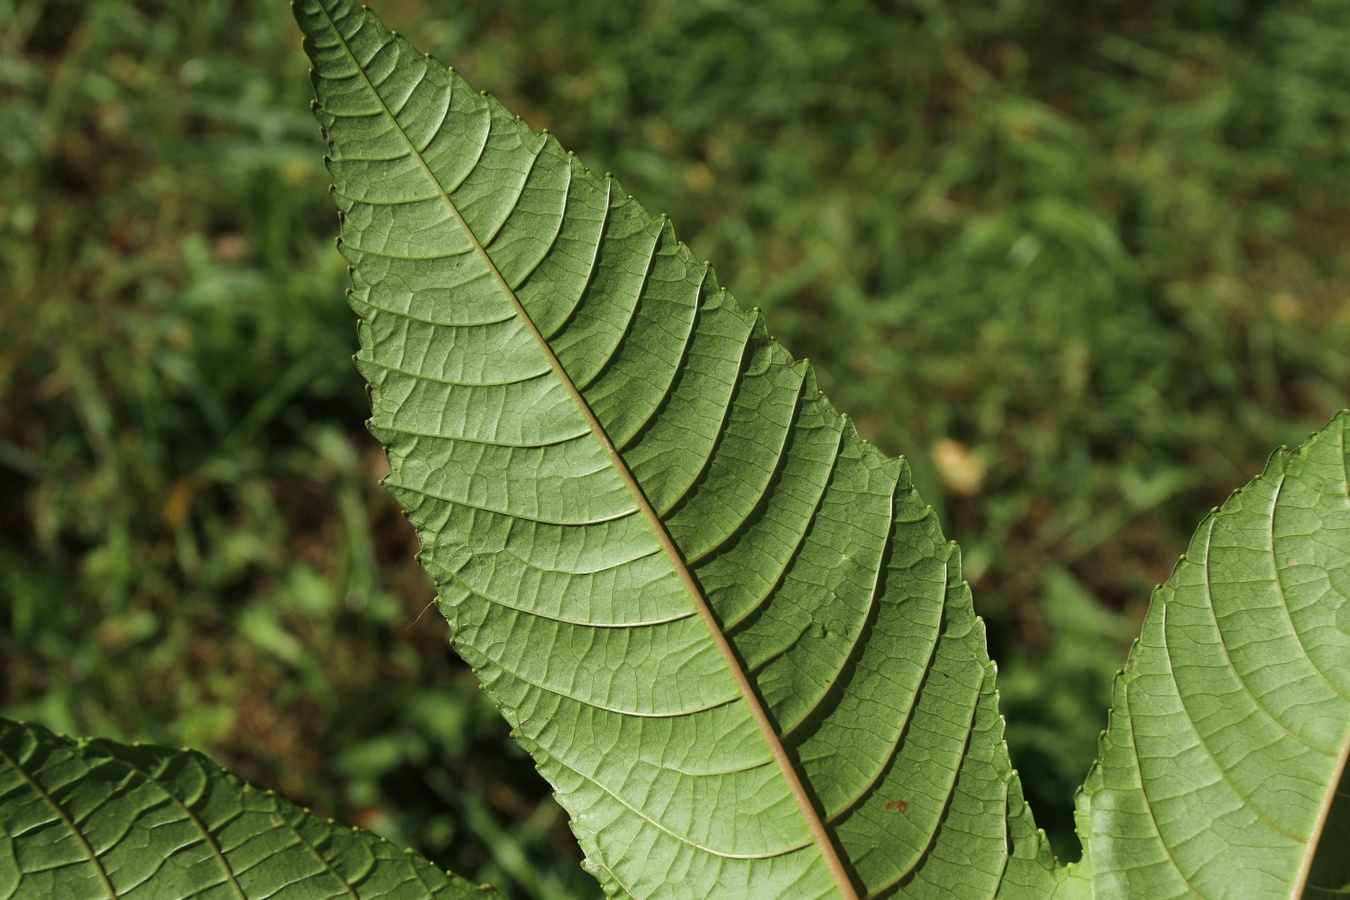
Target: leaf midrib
{"points": [[812, 817]]}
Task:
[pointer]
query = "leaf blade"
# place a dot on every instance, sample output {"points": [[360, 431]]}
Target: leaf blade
{"points": [[1234, 701], [676, 384], [96, 818]]}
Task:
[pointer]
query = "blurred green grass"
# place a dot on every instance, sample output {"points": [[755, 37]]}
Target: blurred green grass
{"points": [[1084, 263]]}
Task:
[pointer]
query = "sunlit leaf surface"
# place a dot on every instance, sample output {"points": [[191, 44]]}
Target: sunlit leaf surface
{"points": [[1231, 722]]}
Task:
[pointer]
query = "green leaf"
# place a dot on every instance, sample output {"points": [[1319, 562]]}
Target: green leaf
{"points": [[727, 629], [1231, 723], [98, 819]]}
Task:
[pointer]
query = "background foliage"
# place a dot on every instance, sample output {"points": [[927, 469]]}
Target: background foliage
{"points": [[1085, 264]]}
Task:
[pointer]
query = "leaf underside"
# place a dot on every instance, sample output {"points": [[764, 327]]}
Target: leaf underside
{"points": [[492, 272], [99, 819], [1224, 759], [727, 629]]}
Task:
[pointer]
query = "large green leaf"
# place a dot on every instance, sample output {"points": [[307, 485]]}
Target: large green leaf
{"points": [[98, 819], [727, 629]]}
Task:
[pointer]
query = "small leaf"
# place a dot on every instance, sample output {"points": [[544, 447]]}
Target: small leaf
{"points": [[98, 819]]}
